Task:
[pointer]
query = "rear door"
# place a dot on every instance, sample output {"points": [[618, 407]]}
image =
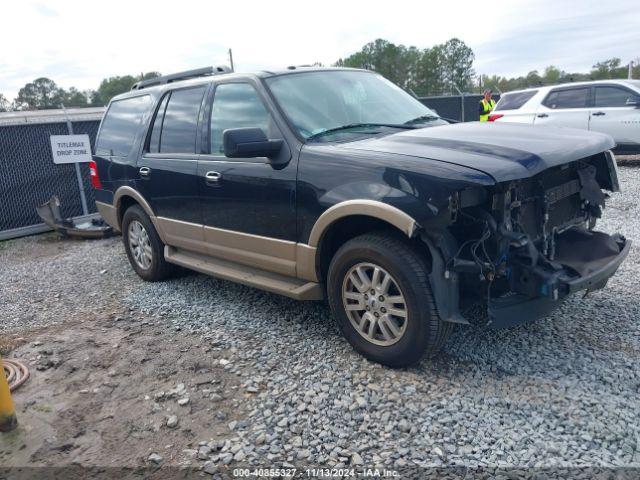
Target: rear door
{"points": [[565, 107], [168, 168], [611, 114]]}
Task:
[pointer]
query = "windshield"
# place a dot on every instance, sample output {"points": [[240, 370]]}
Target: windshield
{"points": [[318, 101]]}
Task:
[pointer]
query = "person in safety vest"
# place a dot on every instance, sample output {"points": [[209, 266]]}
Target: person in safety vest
{"points": [[487, 104]]}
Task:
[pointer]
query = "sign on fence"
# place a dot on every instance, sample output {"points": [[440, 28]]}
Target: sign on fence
{"points": [[70, 148]]}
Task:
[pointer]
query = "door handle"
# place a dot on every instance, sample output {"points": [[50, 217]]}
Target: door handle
{"points": [[598, 114], [144, 171], [542, 115], [213, 176]]}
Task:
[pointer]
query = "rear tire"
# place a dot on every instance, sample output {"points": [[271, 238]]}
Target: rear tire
{"points": [[143, 246], [392, 321]]}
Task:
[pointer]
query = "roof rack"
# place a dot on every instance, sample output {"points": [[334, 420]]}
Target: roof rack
{"points": [[176, 77]]}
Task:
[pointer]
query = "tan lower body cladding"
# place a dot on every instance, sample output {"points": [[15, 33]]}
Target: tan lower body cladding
{"points": [[273, 255], [280, 266]]}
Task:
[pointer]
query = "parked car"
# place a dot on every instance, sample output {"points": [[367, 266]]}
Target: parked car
{"points": [[334, 183], [607, 106]]}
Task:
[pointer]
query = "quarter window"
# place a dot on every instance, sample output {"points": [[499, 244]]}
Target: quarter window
{"points": [[571, 98], [179, 126], [120, 125], [513, 101], [235, 105], [612, 97]]}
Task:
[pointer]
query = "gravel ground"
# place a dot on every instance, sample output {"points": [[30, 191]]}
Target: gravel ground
{"points": [[561, 392]]}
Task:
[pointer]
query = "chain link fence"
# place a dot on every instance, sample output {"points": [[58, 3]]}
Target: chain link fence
{"points": [[28, 176], [451, 106]]}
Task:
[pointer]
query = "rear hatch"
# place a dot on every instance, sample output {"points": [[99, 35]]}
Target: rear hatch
{"points": [[515, 107]]}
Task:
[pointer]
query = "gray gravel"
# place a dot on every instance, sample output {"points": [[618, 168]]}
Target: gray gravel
{"points": [[46, 281], [559, 392]]}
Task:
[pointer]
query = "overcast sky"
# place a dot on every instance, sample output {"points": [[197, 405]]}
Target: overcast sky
{"points": [[77, 43]]}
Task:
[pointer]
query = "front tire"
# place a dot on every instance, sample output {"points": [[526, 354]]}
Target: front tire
{"points": [[380, 295], [144, 248]]}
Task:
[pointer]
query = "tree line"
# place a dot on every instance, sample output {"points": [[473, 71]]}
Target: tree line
{"points": [[442, 69], [43, 93], [447, 68], [429, 71]]}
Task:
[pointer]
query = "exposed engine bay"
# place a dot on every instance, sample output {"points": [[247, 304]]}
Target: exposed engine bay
{"points": [[520, 248]]}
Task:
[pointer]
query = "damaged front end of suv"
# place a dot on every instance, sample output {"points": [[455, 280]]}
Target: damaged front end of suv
{"points": [[514, 251]]}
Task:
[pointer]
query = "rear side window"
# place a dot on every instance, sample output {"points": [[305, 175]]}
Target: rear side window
{"points": [[180, 121], [572, 98], [120, 126], [513, 101], [612, 97]]}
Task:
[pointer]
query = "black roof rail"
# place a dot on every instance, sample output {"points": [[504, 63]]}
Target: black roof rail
{"points": [[176, 77]]}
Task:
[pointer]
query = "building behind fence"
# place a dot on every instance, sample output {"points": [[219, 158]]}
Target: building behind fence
{"points": [[28, 176]]}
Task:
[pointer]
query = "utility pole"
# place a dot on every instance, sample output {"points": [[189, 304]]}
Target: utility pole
{"points": [[461, 93], [231, 60], [630, 75]]}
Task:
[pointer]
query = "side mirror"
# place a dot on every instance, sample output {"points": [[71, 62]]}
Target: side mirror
{"points": [[633, 102], [249, 143]]}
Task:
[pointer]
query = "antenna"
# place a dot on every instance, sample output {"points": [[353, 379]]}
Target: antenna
{"points": [[231, 60]]}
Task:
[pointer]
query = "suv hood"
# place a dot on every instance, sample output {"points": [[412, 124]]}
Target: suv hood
{"points": [[503, 151]]}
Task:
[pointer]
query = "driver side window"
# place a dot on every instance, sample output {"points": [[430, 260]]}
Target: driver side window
{"points": [[235, 105]]}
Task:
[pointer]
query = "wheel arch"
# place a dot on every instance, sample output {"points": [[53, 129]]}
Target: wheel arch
{"points": [[126, 197], [352, 218]]}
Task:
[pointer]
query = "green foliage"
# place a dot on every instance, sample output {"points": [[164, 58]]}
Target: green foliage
{"points": [[607, 69], [439, 69], [5, 106], [42, 93], [112, 86], [426, 71], [75, 98]]}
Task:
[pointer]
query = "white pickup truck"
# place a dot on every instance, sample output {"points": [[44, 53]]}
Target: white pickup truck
{"points": [[607, 106]]}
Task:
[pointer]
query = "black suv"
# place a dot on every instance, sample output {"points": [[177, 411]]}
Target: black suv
{"points": [[334, 183]]}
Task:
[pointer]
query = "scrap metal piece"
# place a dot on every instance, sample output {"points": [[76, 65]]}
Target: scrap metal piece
{"points": [[50, 214]]}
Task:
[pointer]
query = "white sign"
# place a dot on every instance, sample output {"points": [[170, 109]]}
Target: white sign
{"points": [[70, 148]]}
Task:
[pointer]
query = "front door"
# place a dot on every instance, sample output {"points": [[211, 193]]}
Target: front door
{"points": [[248, 204], [168, 168], [611, 114], [565, 107]]}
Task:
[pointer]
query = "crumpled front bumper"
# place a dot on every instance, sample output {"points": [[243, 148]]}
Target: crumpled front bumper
{"points": [[585, 266]]}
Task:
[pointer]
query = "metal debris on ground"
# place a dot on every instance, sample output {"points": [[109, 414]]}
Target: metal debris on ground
{"points": [[50, 214]]}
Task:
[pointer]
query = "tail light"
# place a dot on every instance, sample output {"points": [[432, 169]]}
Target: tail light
{"points": [[495, 116], [93, 173]]}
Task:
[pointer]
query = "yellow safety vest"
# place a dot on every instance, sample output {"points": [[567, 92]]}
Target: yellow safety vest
{"points": [[488, 107]]}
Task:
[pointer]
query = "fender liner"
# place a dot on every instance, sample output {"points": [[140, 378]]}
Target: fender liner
{"points": [[444, 283]]}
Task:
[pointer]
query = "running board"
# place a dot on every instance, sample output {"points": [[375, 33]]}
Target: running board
{"points": [[244, 274]]}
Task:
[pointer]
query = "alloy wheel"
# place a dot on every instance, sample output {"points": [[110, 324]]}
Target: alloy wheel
{"points": [[374, 303], [140, 245]]}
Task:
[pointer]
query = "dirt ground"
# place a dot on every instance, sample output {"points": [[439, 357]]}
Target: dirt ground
{"points": [[102, 391]]}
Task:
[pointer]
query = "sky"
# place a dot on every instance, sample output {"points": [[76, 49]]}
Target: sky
{"points": [[78, 43]]}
